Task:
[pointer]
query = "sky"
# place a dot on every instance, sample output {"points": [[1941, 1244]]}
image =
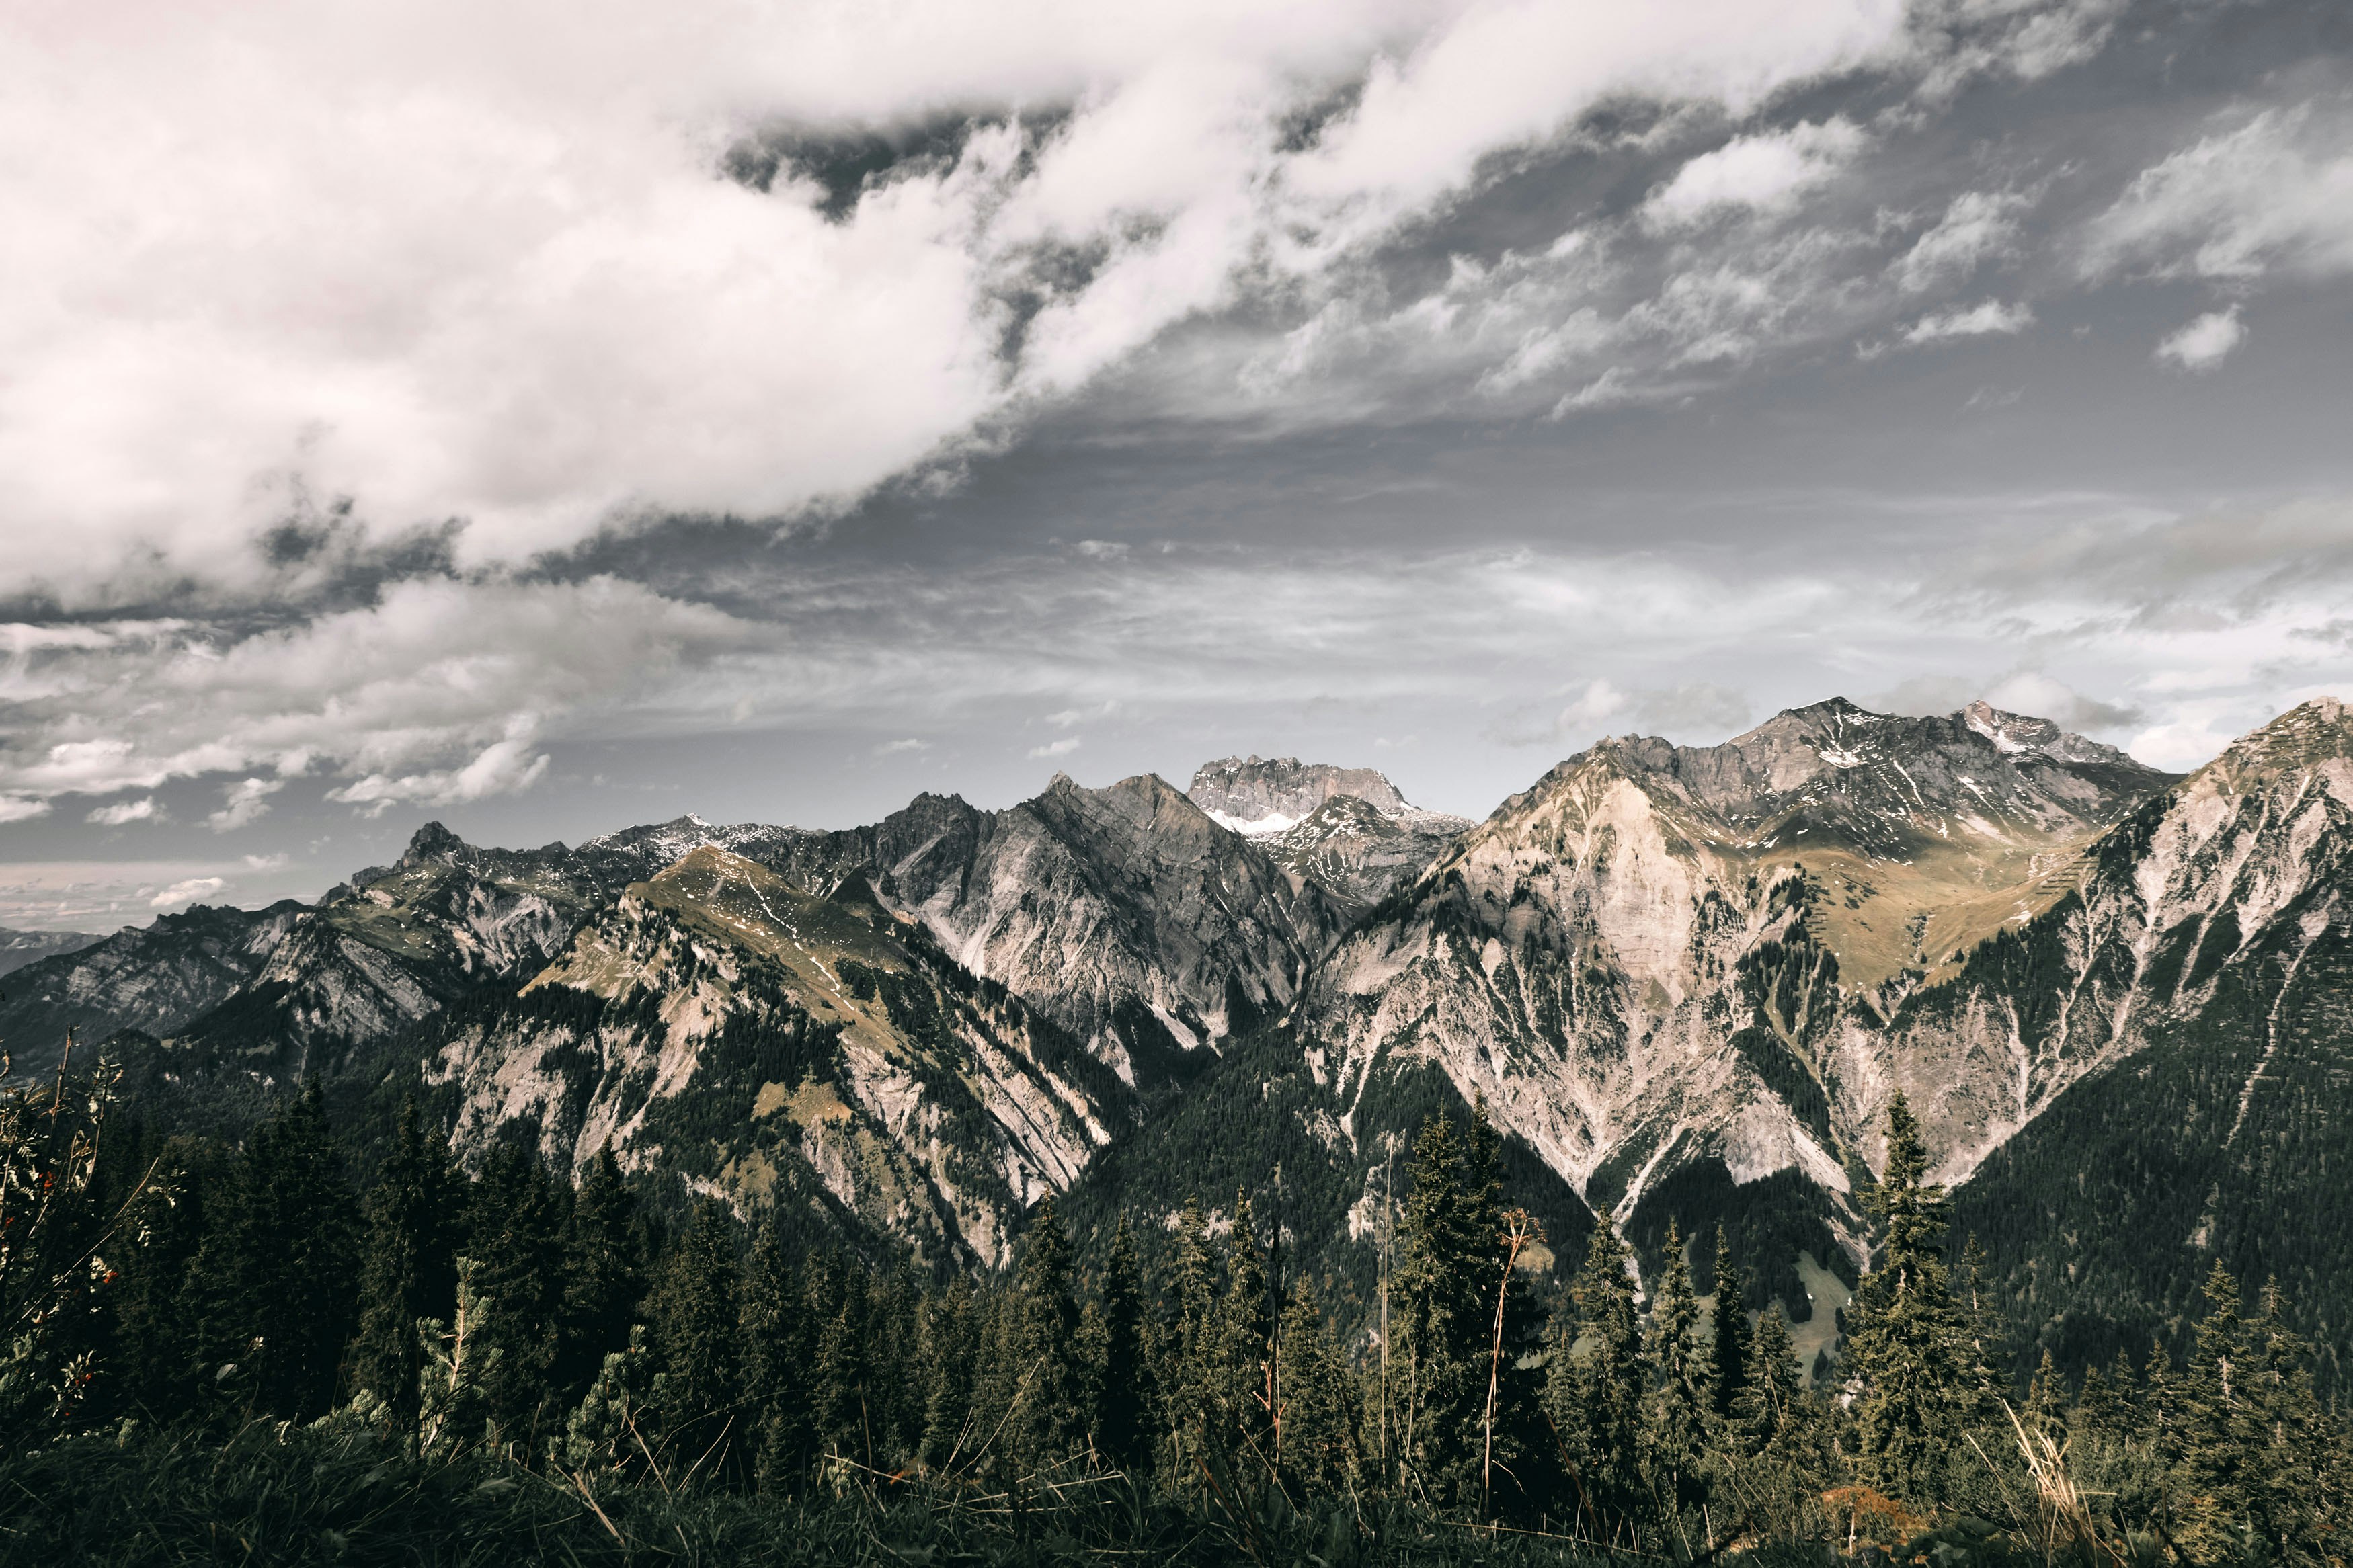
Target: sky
{"points": [[543, 418]]}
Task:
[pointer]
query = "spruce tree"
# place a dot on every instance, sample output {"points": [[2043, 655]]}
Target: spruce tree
{"points": [[696, 1339], [516, 1224], [954, 1326], [1675, 1439], [1440, 1305], [1045, 1425], [2297, 1460], [1593, 1394], [603, 1274], [1728, 1353], [1123, 1405], [777, 1355], [1247, 1368], [1189, 1374], [2215, 1474], [276, 1275], [409, 1269], [1318, 1418], [1906, 1347]]}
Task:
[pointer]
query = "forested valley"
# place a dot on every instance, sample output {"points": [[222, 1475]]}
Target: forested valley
{"points": [[232, 1352]]}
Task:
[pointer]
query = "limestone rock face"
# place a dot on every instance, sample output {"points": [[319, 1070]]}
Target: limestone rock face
{"points": [[1257, 796], [1664, 956], [718, 1027], [1124, 913], [1356, 852]]}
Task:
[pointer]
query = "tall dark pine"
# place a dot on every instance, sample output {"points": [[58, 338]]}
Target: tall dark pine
{"points": [[1442, 1302], [697, 1341], [408, 1268], [1123, 1409], [1593, 1392], [1047, 1424], [1728, 1354], [603, 1275], [516, 1226], [1909, 1343], [277, 1276], [776, 1353], [1675, 1438]]}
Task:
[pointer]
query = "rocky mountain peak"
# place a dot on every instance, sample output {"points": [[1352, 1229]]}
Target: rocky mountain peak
{"points": [[2316, 732], [1258, 797], [433, 843]]}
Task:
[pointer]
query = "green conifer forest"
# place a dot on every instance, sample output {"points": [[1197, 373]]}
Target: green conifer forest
{"points": [[223, 1353]]}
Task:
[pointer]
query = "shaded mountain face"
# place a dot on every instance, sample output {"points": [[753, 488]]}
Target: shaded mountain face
{"points": [[19, 948], [2202, 967], [393, 945], [153, 978], [718, 1027]]}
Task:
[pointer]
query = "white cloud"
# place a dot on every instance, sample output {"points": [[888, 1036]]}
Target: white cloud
{"points": [[2204, 342], [1061, 748], [506, 766], [248, 803], [897, 748], [193, 890], [1977, 227], [1767, 172], [483, 268], [1990, 317], [278, 862], [2275, 194], [22, 808], [143, 809], [1598, 704]]}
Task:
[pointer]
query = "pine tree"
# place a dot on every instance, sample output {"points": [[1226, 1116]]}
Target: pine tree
{"points": [[697, 1341], [1906, 1346], [1593, 1394], [603, 1274], [1045, 1418], [602, 1436], [1316, 1443], [275, 1277], [1674, 1440], [460, 1358], [1441, 1303], [777, 1357], [409, 1263], [1768, 1407], [1123, 1405], [2214, 1472], [1247, 1365], [1728, 1354]]}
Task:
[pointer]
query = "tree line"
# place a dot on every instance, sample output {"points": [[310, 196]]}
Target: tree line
{"points": [[186, 1284]]}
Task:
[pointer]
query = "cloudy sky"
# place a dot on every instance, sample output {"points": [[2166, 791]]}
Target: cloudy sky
{"points": [[547, 417]]}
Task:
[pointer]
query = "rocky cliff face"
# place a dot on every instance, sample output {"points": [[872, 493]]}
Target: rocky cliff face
{"points": [[151, 978], [1124, 913], [1357, 853], [1256, 795], [719, 1026]]}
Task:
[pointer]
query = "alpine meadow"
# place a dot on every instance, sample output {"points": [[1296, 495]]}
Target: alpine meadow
{"points": [[1371, 784]]}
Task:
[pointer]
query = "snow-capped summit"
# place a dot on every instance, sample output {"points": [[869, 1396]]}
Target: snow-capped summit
{"points": [[1258, 797]]}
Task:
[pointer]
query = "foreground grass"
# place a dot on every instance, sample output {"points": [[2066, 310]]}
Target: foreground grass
{"points": [[351, 1497]]}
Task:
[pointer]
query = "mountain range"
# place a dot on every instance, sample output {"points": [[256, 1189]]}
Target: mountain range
{"points": [[1686, 982]]}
